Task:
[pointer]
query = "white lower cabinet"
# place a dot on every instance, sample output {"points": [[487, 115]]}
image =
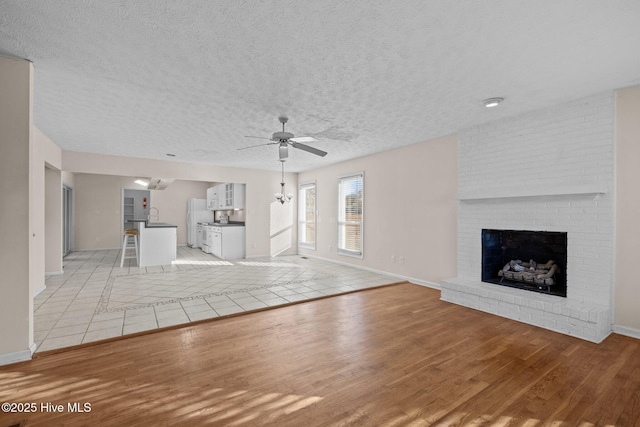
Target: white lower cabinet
{"points": [[216, 243], [227, 242]]}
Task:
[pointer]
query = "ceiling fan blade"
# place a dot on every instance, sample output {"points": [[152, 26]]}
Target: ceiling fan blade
{"points": [[257, 137], [309, 149], [303, 139], [259, 145], [283, 151]]}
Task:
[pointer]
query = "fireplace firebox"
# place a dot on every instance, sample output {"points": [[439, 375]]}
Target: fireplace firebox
{"points": [[530, 260]]}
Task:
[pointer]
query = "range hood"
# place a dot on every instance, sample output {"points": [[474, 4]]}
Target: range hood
{"points": [[159, 183]]}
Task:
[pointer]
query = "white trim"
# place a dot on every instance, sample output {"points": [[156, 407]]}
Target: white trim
{"points": [[614, 213], [352, 254], [301, 186], [18, 356], [346, 252], [627, 331], [39, 291], [54, 273], [257, 256], [72, 218], [372, 270], [281, 254]]}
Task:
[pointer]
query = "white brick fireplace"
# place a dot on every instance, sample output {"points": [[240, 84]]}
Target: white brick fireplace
{"points": [[548, 170]]}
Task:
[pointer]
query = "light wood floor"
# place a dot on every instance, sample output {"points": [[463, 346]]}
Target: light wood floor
{"points": [[393, 356]]}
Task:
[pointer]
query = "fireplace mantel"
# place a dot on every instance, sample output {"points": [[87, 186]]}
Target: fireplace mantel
{"points": [[511, 193]]}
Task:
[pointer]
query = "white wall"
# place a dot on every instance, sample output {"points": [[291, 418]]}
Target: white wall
{"points": [[409, 210], [98, 215], [16, 308], [260, 188], [45, 212], [627, 296], [26, 152], [68, 178]]}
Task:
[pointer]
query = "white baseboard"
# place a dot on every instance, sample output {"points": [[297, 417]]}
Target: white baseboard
{"points": [[39, 290], [54, 273], [627, 331], [373, 270], [270, 256], [18, 356]]}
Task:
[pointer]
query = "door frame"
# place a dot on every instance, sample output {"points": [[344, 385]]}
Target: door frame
{"points": [[68, 219]]}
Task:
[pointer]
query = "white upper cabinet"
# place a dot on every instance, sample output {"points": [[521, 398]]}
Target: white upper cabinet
{"points": [[226, 196], [231, 196], [213, 198]]}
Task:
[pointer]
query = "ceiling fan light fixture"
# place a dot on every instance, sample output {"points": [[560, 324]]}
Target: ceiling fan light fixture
{"points": [[492, 102], [285, 139], [283, 151]]}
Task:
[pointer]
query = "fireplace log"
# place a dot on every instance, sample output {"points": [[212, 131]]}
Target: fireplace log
{"points": [[529, 272]]}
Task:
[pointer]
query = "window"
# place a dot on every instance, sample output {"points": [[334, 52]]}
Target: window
{"points": [[350, 214], [307, 216]]}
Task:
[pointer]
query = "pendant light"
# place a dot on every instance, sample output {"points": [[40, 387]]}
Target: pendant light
{"points": [[282, 196]]}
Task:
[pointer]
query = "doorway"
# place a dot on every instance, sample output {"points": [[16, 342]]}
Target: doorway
{"points": [[135, 205], [67, 220]]}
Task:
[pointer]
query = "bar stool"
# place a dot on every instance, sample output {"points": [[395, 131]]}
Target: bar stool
{"points": [[130, 232]]}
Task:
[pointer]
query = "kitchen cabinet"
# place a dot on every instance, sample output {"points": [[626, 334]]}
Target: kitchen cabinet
{"points": [[231, 196], [216, 243], [232, 242], [226, 242], [157, 243], [213, 202], [224, 197]]}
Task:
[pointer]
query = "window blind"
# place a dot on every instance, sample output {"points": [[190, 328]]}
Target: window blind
{"points": [[350, 215]]}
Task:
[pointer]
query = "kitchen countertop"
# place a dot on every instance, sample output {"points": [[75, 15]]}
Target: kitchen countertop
{"points": [[148, 224], [159, 225], [231, 224]]}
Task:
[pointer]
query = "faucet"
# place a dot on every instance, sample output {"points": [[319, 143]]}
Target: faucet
{"points": [[157, 213]]}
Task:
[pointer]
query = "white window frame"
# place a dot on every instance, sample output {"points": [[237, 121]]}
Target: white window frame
{"points": [[302, 222], [342, 222]]}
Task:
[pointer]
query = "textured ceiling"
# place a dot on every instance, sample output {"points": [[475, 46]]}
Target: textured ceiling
{"points": [[148, 77]]}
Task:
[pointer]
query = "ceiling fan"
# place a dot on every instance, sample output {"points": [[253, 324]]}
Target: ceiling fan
{"points": [[286, 139]]}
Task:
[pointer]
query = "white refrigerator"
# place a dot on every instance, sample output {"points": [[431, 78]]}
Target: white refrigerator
{"points": [[196, 212]]}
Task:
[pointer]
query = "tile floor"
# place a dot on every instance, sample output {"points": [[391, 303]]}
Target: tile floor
{"points": [[96, 299]]}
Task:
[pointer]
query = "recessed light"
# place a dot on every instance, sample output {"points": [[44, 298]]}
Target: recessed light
{"points": [[492, 102], [171, 155], [141, 182]]}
